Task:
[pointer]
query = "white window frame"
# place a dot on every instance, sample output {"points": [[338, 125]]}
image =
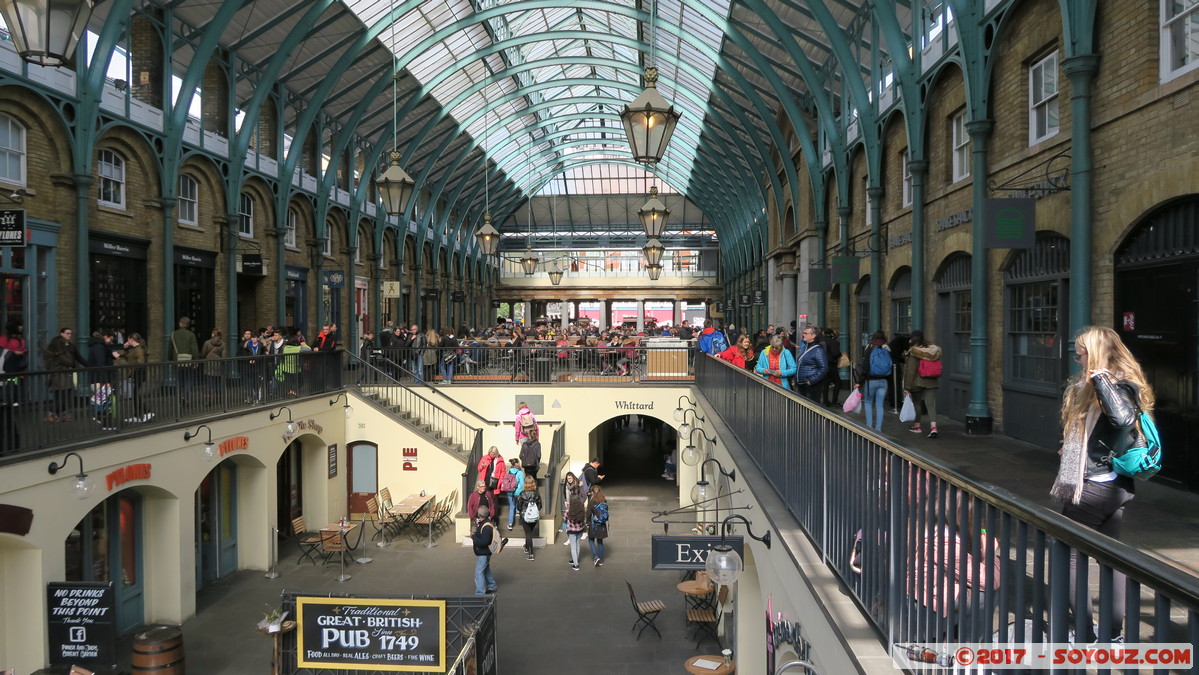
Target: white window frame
{"points": [[904, 161], [245, 216], [1043, 103], [960, 141], [358, 250], [289, 237], [327, 245], [18, 136], [866, 201], [188, 208], [1170, 47], [110, 169]]}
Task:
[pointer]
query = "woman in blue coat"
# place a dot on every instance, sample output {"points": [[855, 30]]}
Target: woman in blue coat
{"points": [[777, 364]]}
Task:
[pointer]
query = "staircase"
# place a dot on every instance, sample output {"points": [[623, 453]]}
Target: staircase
{"points": [[406, 405]]}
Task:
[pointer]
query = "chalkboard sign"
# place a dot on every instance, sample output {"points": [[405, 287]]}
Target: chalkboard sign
{"points": [[82, 623], [371, 634]]}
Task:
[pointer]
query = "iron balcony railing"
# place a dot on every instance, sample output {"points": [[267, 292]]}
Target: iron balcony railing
{"points": [[544, 363], [932, 556], [47, 409]]}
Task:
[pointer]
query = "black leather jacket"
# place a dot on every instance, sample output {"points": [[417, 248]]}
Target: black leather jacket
{"points": [[1116, 429]]}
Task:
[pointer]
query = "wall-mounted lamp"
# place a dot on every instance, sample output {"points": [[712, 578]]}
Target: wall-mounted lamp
{"points": [[349, 411], [209, 446], [691, 453], [685, 428], [678, 412], [16, 196], [724, 565], [291, 425], [83, 486], [705, 492]]}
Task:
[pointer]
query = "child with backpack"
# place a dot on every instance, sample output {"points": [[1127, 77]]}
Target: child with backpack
{"points": [[874, 369], [529, 506], [511, 485]]}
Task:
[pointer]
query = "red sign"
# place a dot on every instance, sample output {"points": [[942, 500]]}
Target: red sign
{"points": [[125, 474], [235, 443], [409, 459], [1130, 321]]}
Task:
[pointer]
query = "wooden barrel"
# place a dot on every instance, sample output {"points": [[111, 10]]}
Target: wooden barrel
{"points": [[158, 651]]}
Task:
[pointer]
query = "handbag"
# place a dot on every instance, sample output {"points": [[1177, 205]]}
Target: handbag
{"points": [[179, 356], [843, 360], [908, 412], [854, 402], [598, 531], [449, 357]]}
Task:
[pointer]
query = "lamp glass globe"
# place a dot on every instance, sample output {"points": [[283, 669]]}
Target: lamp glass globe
{"points": [[83, 486], [724, 565], [690, 455], [291, 427], [684, 430], [700, 492], [209, 451], [348, 410], [678, 414]]}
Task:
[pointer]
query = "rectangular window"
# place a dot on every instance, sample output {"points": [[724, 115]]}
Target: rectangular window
{"points": [[864, 329], [12, 151], [866, 201], [327, 245], [111, 169], [962, 323], [1033, 332], [1180, 37], [961, 148], [907, 178], [1042, 99], [189, 200], [901, 316], [290, 238], [245, 216]]}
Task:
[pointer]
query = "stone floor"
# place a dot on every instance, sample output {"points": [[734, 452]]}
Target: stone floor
{"points": [[587, 613]]}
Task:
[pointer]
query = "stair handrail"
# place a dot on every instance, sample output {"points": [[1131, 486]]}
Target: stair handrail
{"points": [[417, 380]]}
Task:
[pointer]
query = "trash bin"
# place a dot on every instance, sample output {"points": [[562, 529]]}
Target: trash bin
{"points": [[158, 650]]}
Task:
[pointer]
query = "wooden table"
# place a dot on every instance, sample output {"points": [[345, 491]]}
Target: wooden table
{"points": [[344, 532], [406, 510], [697, 670], [697, 592]]}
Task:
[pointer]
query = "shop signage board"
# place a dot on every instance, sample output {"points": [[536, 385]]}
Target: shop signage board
{"points": [[1010, 223], [12, 227], [759, 298], [687, 551], [745, 300], [391, 289], [82, 623], [333, 461], [371, 634], [251, 264], [335, 278]]}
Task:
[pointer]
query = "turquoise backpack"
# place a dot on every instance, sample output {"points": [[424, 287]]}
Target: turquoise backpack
{"points": [[1142, 462]]}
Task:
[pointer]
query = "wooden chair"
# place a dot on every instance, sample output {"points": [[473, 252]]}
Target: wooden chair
{"points": [[707, 618], [447, 511], [385, 498], [333, 544], [426, 521], [309, 544], [383, 519], [647, 612]]}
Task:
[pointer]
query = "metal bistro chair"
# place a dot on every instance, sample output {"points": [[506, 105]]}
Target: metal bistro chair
{"points": [[383, 521], [647, 612], [707, 618], [309, 544]]}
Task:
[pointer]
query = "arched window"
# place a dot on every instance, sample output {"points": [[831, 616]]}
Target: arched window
{"points": [[189, 200], [12, 151], [901, 302], [110, 167]]}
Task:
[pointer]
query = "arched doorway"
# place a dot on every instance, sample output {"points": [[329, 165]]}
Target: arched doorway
{"points": [[632, 447], [953, 334], [107, 546], [1156, 274]]}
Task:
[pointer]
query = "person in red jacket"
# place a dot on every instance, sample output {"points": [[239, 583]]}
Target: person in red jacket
{"points": [[740, 354]]}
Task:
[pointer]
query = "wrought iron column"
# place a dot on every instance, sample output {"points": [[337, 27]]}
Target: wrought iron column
{"points": [[1081, 71], [978, 412], [918, 169]]}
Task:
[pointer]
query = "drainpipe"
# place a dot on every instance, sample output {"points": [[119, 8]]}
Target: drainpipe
{"points": [[874, 196], [978, 413], [843, 226], [1081, 71]]}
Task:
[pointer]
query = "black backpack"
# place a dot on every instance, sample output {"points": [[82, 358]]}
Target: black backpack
{"points": [[528, 454]]}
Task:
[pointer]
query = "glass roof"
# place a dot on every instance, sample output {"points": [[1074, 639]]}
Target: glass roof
{"points": [[557, 94]]}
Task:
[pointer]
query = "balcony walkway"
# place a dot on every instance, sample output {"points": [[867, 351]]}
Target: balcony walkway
{"points": [[546, 598]]}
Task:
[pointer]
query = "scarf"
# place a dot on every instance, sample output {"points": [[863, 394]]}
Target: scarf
{"points": [[1071, 475]]}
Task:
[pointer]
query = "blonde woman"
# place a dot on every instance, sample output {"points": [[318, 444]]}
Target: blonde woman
{"points": [[1099, 417]]}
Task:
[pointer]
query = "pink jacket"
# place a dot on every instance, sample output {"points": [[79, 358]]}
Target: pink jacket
{"points": [[520, 433]]}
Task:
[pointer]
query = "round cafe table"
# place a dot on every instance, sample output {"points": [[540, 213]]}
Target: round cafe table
{"points": [[697, 670], [697, 592]]}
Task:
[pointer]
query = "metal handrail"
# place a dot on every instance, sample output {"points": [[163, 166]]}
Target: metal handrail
{"points": [[440, 420], [915, 517]]}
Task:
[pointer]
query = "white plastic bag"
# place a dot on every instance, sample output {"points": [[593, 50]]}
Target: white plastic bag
{"points": [[908, 412], [854, 403]]}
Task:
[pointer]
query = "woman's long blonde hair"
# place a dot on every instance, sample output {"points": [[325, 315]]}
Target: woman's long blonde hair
{"points": [[1105, 351]]}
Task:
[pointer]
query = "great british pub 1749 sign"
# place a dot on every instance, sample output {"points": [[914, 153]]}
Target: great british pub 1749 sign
{"points": [[371, 634]]}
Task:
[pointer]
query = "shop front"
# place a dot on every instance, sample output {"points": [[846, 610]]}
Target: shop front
{"points": [[216, 524], [295, 297], [195, 287], [107, 546], [117, 286]]}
